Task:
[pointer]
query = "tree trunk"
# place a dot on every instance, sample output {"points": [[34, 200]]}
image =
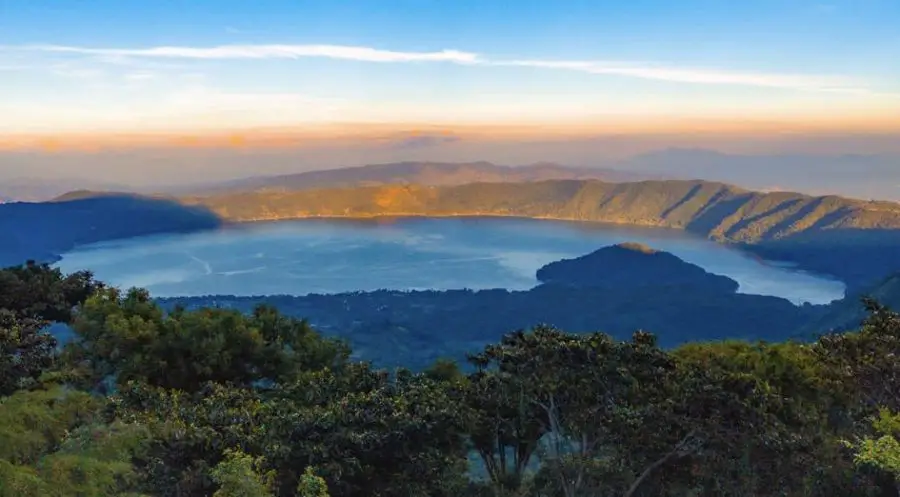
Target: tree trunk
{"points": [[672, 454]]}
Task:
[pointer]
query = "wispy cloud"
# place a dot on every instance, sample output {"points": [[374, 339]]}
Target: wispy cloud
{"points": [[690, 75], [641, 70], [269, 52]]}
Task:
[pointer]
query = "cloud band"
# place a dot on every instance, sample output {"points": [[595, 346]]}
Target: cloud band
{"points": [[368, 54]]}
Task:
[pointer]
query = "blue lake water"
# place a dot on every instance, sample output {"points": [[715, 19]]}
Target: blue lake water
{"points": [[330, 256]]}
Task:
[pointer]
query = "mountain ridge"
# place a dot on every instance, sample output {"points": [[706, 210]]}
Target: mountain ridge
{"points": [[717, 210], [850, 239], [419, 173]]}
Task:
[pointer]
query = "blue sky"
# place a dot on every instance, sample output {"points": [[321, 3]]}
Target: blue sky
{"points": [[166, 64]]}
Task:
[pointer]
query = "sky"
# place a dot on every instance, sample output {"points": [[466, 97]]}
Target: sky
{"points": [[112, 73]]}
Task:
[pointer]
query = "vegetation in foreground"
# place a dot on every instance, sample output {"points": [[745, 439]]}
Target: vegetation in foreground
{"points": [[213, 402]]}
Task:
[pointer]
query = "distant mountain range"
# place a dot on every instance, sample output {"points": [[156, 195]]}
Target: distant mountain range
{"points": [[420, 173], [861, 176]]}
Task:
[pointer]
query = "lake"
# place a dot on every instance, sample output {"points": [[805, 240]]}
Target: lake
{"points": [[329, 256]]}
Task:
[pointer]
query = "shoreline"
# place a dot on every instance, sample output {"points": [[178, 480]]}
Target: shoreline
{"points": [[786, 266], [742, 247]]}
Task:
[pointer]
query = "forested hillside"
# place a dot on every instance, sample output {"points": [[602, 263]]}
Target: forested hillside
{"points": [[715, 210], [852, 240], [212, 402], [41, 231]]}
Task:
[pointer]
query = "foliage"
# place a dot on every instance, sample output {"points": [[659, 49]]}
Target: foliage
{"points": [[43, 293], [240, 475], [26, 351], [128, 336], [883, 450], [311, 485], [52, 443], [216, 403]]}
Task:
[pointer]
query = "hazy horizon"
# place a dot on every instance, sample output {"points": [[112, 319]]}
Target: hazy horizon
{"points": [[154, 93], [93, 70]]}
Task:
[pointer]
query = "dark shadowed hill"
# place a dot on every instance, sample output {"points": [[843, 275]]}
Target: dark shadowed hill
{"points": [[86, 194], [848, 313], [855, 240], [419, 173], [633, 265], [41, 231]]}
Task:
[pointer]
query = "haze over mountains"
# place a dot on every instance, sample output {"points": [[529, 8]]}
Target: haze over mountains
{"points": [[853, 175], [420, 173], [28, 178]]}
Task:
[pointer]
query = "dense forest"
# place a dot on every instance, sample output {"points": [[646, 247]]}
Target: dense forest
{"points": [[216, 402]]}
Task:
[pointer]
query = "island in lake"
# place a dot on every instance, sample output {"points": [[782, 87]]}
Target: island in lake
{"points": [[591, 293], [854, 241]]}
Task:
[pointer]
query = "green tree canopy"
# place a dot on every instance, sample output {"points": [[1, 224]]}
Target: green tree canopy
{"points": [[130, 337]]}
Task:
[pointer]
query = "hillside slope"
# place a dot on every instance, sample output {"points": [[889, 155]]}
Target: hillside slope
{"points": [[719, 211], [848, 313], [854, 240], [42, 231]]}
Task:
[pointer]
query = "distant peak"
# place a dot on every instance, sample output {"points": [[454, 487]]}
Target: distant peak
{"points": [[637, 247]]}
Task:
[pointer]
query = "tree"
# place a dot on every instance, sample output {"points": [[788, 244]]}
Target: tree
{"points": [[864, 364], [591, 395], [883, 450], [129, 337], [189, 433], [367, 433], [311, 485], [53, 443], [801, 401], [26, 352], [240, 475], [40, 292]]}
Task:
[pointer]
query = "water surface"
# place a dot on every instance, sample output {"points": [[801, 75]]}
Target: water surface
{"points": [[330, 256]]}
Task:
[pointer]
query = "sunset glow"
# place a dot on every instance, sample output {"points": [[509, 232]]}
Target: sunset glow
{"points": [[228, 74]]}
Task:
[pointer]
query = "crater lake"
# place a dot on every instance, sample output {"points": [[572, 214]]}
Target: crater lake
{"points": [[300, 257]]}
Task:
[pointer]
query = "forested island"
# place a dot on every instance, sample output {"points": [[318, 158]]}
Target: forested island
{"points": [[617, 289], [215, 402]]}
